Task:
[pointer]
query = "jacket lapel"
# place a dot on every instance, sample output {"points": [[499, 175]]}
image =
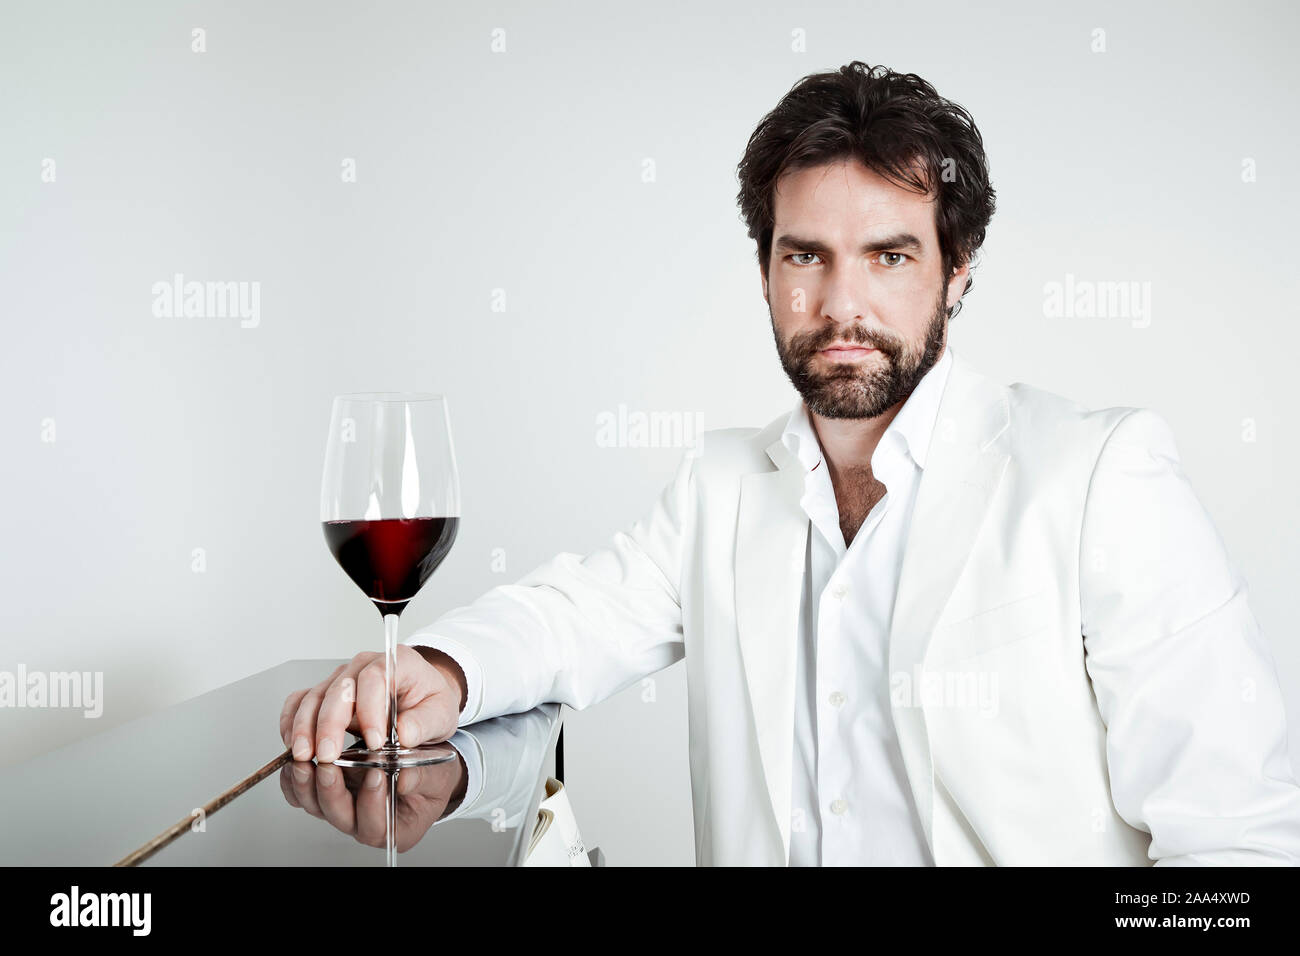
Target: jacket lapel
{"points": [[964, 465], [967, 456], [771, 538]]}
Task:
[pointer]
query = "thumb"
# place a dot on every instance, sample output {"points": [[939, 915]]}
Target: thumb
{"points": [[432, 719]]}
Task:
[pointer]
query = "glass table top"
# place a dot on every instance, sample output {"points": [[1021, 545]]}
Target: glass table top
{"points": [[137, 793]]}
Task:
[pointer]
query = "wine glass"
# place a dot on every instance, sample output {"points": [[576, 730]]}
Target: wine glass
{"points": [[390, 508]]}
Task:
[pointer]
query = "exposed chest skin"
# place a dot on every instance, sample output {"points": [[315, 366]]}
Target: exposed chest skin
{"points": [[856, 492]]}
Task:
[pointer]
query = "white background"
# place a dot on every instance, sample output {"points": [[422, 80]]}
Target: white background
{"points": [[523, 171]]}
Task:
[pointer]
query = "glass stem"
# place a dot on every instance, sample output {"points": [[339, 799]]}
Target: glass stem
{"points": [[390, 677], [390, 822]]}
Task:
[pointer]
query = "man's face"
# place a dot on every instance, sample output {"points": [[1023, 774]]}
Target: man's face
{"points": [[856, 261]]}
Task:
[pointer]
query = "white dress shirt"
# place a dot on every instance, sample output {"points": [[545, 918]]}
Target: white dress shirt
{"points": [[851, 801]]}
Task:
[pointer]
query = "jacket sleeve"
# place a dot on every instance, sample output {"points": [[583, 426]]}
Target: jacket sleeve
{"points": [[576, 630], [1196, 734]]}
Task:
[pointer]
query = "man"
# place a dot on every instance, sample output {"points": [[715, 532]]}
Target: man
{"points": [[926, 618]]}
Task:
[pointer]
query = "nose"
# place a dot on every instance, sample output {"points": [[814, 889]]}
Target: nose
{"points": [[845, 295], [847, 304]]}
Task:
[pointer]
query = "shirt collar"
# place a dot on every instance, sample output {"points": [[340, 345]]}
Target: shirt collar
{"points": [[912, 426]]}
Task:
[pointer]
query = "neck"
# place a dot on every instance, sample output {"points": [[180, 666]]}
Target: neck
{"points": [[847, 446], [849, 443]]}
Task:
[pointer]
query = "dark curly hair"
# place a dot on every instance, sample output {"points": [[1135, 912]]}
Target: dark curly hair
{"points": [[897, 126]]}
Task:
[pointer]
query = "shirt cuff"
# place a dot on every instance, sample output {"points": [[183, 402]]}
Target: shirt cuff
{"points": [[472, 754], [462, 655]]}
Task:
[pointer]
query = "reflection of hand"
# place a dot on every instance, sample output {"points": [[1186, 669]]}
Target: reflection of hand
{"points": [[355, 799]]}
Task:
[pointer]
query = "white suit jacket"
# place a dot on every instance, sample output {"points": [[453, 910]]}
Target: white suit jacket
{"points": [[1057, 557]]}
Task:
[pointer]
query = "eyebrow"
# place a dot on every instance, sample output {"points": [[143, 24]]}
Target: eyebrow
{"points": [[900, 240]]}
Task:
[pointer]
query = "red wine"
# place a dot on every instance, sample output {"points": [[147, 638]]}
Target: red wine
{"points": [[391, 558]]}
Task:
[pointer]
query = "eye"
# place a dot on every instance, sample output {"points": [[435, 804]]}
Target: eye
{"points": [[796, 256], [894, 265]]}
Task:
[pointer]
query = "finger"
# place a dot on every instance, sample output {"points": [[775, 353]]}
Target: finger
{"points": [[372, 704], [304, 719], [334, 799], [410, 779], [334, 716], [416, 677], [372, 808], [286, 714], [286, 785], [415, 816], [304, 724], [304, 787]]}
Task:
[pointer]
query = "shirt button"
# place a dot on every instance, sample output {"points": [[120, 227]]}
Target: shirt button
{"points": [[838, 807], [839, 591], [837, 699]]}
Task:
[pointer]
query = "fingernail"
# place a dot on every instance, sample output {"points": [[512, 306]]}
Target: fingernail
{"points": [[325, 776], [374, 739], [301, 748], [374, 780], [327, 750], [301, 774]]}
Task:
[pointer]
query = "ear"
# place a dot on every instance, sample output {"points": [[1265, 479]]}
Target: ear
{"points": [[957, 284], [762, 275]]}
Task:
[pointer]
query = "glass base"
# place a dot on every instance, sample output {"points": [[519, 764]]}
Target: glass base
{"points": [[392, 758]]}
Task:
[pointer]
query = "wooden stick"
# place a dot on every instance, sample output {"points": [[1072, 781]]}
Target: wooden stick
{"points": [[180, 826]]}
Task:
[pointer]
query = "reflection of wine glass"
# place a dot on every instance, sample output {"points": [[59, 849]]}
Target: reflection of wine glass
{"points": [[390, 506]]}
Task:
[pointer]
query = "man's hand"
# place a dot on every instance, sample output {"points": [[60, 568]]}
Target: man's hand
{"points": [[431, 692]]}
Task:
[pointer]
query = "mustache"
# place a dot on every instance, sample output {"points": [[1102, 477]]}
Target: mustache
{"points": [[815, 342]]}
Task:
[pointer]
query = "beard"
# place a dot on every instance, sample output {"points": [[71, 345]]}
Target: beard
{"points": [[867, 388]]}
